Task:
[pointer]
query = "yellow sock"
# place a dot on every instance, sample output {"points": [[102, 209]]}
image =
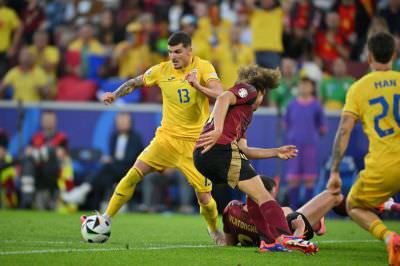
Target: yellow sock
{"points": [[210, 214], [124, 191], [379, 230]]}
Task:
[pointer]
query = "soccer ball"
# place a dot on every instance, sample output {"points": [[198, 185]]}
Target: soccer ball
{"points": [[95, 229]]}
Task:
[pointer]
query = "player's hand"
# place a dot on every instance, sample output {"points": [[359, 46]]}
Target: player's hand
{"points": [[192, 79], [287, 152], [334, 184], [108, 98], [208, 140]]}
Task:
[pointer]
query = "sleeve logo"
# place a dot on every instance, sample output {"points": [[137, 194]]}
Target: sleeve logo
{"points": [[214, 75], [243, 93], [148, 72]]}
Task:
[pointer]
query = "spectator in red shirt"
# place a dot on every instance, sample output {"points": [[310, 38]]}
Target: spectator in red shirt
{"points": [[330, 43], [32, 17]]}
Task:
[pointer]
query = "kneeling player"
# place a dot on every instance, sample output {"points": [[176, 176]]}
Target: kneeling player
{"points": [[239, 226], [221, 155]]}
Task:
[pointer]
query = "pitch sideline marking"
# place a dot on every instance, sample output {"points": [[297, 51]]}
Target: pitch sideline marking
{"points": [[44, 251]]}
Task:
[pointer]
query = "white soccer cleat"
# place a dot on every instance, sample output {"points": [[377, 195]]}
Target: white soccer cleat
{"points": [[218, 237]]}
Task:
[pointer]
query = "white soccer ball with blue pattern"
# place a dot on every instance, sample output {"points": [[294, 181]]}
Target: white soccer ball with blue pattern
{"points": [[96, 229]]}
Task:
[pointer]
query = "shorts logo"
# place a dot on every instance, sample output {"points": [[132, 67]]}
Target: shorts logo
{"points": [[243, 93]]}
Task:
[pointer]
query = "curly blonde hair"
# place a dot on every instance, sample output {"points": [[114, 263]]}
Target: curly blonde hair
{"points": [[263, 79]]}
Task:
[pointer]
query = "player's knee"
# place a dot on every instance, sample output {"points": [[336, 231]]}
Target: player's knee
{"points": [[338, 199]]}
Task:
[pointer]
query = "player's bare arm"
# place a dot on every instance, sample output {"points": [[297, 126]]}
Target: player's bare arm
{"points": [[346, 125], [124, 89], [213, 89], [284, 152], [221, 107]]}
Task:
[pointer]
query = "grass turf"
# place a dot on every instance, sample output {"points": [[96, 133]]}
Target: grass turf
{"points": [[45, 238]]}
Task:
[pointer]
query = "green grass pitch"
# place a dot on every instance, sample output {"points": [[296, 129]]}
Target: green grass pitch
{"points": [[44, 238]]}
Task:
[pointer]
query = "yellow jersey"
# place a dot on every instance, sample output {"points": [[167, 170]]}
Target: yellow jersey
{"points": [[185, 109], [25, 84], [9, 22], [375, 101], [267, 29]]}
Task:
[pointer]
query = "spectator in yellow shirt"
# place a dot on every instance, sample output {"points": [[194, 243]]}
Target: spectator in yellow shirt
{"points": [[86, 45], [10, 34], [228, 57], [132, 55], [266, 24], [46, 56], [28, 82]]}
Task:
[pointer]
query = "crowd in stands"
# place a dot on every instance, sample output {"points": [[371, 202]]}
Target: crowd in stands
{"points": [[76, 50]]}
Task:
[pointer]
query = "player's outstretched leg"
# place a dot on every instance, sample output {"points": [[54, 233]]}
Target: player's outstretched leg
{"points": [[270, 219]]}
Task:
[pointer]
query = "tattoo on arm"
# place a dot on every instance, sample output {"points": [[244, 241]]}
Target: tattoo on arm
{"points": [[341, 141], [129, 86]]}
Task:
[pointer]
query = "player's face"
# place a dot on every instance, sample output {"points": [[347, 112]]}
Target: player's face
{"points": [[180, 55]]}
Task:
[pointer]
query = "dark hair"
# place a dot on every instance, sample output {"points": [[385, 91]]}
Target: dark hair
{"points": [[269, 183], [263, 79], [382, 46], [180, 37]]}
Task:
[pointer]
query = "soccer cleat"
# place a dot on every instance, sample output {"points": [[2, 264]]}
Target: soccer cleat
{"points": [[296, 243], [322, 228], [393, 249], [274, 247], [218, 237]]}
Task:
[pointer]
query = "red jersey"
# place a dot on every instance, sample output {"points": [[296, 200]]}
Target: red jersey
{"points": [[239, 115], [238, 223]]}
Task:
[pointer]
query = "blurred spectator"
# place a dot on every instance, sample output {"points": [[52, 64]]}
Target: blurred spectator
{"points": [[27, 82], [178, 9], [287, 90], [392, 16], [298, 43], [108, 31], [228, 57], [378, 24], [243, 23], [304, 121], [8, 193], [155, 197], [47, 57], [200, 45], [303, 14], [159, 42], [329, 43], [10, 34], [46, 167], [32, 17], [396, 65], [266, 39], [125, 146], [132, 55], [55, 14], [220, 27], [346, 10], [333, 89], [86, 45]]}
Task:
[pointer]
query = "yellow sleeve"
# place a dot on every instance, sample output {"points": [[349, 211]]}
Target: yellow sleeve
{"points": [[40, 77], [53, 55], [207, 72], [150, 77], [14, 20], [9, 77], [352, 105]]}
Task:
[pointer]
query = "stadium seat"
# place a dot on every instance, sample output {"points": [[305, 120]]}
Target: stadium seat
{"points": [[73, 88], [84, 161]]}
